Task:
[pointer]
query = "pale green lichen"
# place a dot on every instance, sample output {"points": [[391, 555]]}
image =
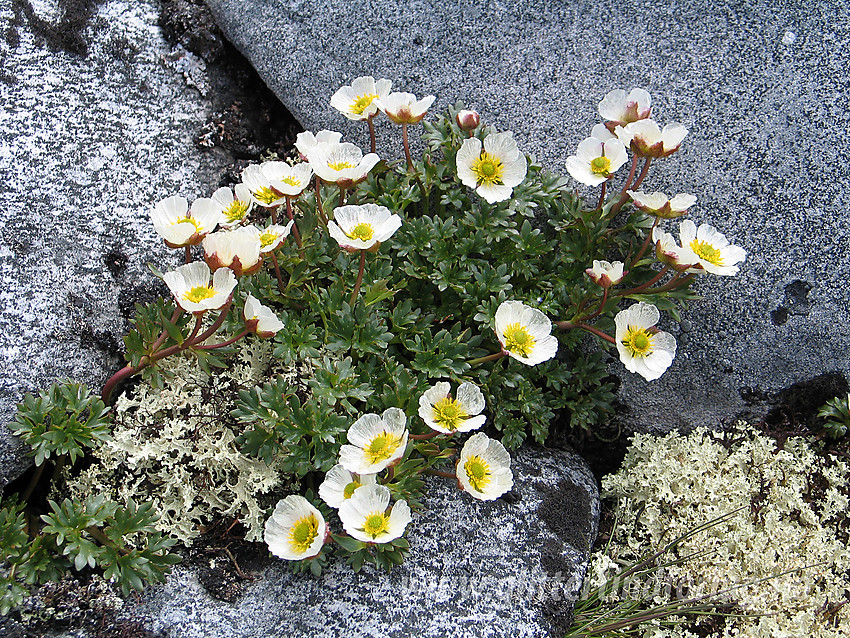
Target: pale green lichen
{"points": [[176, 446], [795, 504]]}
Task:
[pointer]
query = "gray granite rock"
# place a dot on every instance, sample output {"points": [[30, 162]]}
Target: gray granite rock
{"points": [[505, 568], [96, 127], [761, 86]]}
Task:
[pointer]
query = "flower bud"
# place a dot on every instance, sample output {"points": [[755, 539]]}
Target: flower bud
{"points": [[467, 120]]}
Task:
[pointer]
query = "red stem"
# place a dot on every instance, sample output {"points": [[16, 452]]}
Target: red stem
{"points": [[601, 198], [280, 284], [623, 194], [213, 346], [643, 173], [188, 255], [295, 230], [372, 144], [645, 242], [319, 209], [359, 277], [644, 286], [423, 437], [568, 325], [601, 306], [406, 147], [677, 282]]}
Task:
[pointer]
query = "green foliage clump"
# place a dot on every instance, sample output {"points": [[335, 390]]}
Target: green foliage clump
{"points": [[836, 413]]}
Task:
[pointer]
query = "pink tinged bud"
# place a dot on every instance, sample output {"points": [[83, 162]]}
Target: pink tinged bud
{"points": [[468, 120]]}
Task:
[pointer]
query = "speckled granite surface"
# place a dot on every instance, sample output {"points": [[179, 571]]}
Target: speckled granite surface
{"points": [[761, 86], [97, 125]]}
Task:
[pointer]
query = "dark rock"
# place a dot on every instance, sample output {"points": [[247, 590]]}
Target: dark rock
{"points": [[752, 83]]}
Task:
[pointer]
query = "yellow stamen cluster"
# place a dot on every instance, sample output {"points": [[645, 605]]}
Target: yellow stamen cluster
{"points": [[449, 414], [348, 492], [600, 166], [382, 447], [518, 340], [488, 169], [340, 166], [303, 533], [708, 252], [376, 523], [266, 195], [361, 231], [638, 341], [292, 181], [478, 472], [189, 220], [236, 211], [199, 293], [267, 238], [361, 103]]}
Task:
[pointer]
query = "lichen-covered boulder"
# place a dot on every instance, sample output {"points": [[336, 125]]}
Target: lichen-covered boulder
{"points": [[762, 101], [510, 567]]}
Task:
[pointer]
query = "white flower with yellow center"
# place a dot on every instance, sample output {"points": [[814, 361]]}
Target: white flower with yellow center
{"points": [[368, 517], [484, 468], [358, 100], [660, 205], [263, 192], [342, 164], [375, 442], [642, 348], [494, 170], [448, 414], [712, 250], [271, 236], [237, 249], [306, 141], [646, 139], [233, 205], [363, 227], [178, 226], [286, 178], [620, 109], [339, 485], [296, 530], [525, 333], [596, 161], [193, 291], [259, 319], [404, 108], [669, 252], [606, 274]]}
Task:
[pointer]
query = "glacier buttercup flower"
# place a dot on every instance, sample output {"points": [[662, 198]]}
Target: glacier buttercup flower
{"points": [[404, 108], [493, 170], [606, 274], [363, 227], [193, 291], [339, 485], [467, 120], [259, 319], [642, 348], [367, 516], [233, 205], [620, 109], [343, 164], [660, 205], [484, 468], [295, 530], [375, 442], [712, 250], [646, 139], [237, 249], [287, 179], [525, 333], [306, 141], [671, 253], [596, 160], [357, 101], [179, 226], [444, 413], [262, 191], [271, 236]]}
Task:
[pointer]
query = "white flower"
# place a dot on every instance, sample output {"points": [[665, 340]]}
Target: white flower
{"points": [[375, 442], [306, 141], [233, 205], [712, 250], [363, 227], [484, 468], [342, 164], [259, 319], [525, 333], [647, 140], [596, 160], [621, 109], [403, 108], [642, 348], [179, 227], [467, 120], [660, 205], [339, 485], [446, 414], [606, 274], [237, 249], [365, 517], [670, 253], [262, 191], [287, 179], [601, 132], [494, 171], [357, 101], [190, 285], [295, 530], [271, 236]]}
